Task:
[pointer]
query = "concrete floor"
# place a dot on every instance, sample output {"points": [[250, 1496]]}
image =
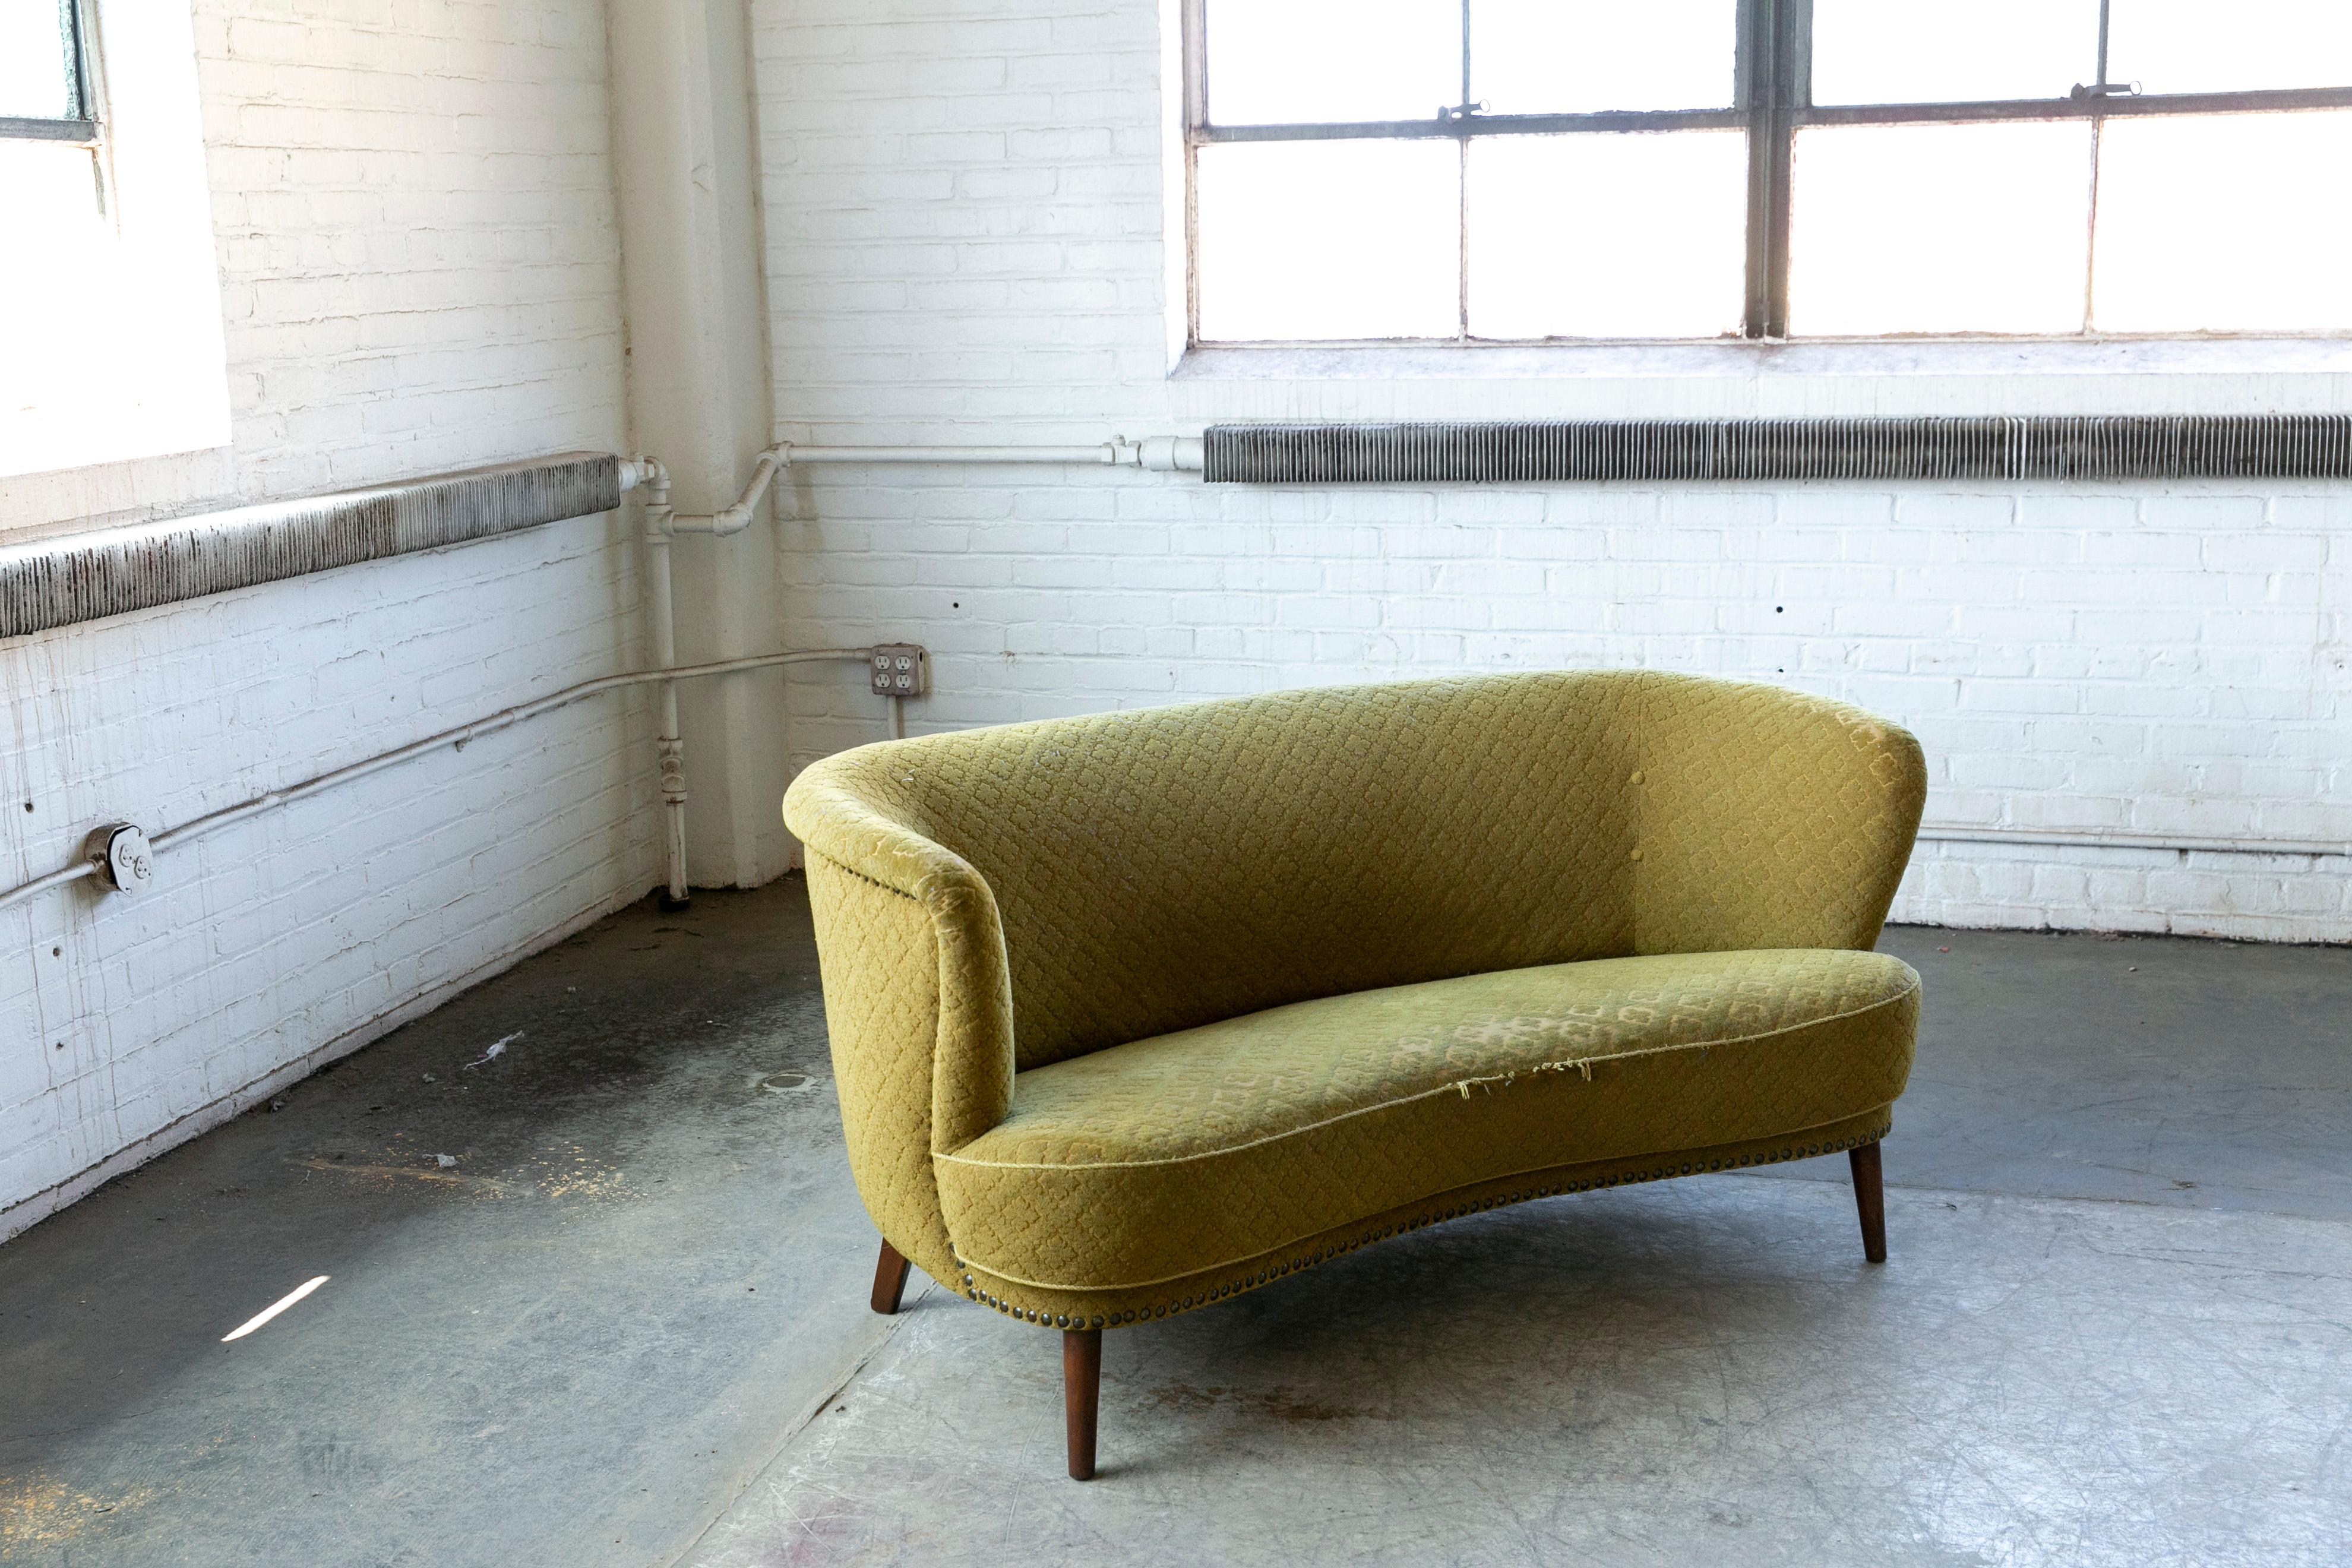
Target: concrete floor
{"points": [[628, 1326]]}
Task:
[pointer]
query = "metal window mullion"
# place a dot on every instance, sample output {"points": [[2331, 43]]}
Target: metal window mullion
{"points": [[1764, 59], [1462, 237], [1797, 115], [1193, 21], [1464, 99], [2091, 226], [2258, 100], [77, 77], [79, 122], [1462, 196], [85, 104], [13, 127], [2091, 219], [1598, 122], [1795, 80]]}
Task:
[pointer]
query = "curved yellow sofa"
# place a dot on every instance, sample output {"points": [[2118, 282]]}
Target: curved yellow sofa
{"points": [[1133, 1012]]}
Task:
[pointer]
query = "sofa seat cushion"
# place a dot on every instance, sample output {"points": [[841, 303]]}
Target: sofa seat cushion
{"points": [[1149, 1160]]}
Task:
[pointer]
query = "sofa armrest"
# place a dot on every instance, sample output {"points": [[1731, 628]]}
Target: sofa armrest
{"points": [[919, 1002], [1768, 818]]}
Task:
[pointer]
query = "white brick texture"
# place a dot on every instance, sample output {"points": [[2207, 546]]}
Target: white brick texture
{"points": [[965, 217], [414, 211]]}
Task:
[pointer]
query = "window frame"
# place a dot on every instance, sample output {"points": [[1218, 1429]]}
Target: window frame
{"points": [[1771, 101], [82, 125]]}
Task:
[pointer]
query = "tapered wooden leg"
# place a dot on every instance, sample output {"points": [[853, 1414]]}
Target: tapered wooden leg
{"points": [[1081, 1396], [1869, 1201], [889, 1280]]}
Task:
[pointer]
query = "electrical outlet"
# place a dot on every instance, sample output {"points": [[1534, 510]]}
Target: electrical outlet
{"points": [[901, 669], [126, 861]]}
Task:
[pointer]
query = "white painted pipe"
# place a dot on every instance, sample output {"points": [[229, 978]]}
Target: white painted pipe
{"points": [[738, 517], [73, 873], [1108, 454], [1929, 833], [1160, 454], [669, 746], [1952, 833], [459, 738]]}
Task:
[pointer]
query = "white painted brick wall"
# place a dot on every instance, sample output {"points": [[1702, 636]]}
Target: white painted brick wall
{"points": [[965, 205], [414, 211], [413, 205]]}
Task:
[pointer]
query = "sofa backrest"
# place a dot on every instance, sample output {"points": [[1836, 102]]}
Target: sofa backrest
{"points": [[1158, 870]]}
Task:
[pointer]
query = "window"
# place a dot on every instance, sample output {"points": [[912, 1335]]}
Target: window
{"points": [[110, 341], [44, 78], [1522, 170]]}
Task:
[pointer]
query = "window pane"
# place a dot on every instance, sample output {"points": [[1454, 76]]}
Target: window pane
{"points": [[1329, 239], [1566, 57], [36, 62], [1940, 228], [1282, 61], [2212, 224], [2196, 45], [1615, 236], [1942, 51]]}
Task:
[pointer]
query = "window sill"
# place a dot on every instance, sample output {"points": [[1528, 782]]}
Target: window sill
{"points": [[1880, 378], [1971, 358], [68, 501]]}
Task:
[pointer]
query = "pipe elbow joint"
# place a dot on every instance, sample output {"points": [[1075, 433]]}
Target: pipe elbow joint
{"points": [[642, 470]]}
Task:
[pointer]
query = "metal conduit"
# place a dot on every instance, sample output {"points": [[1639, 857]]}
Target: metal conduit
{"points": [[505, 718], [1929, 833], [1950, 833]]}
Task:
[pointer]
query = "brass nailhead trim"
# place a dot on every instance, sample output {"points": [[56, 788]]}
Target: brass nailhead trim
{"points": [[1269, 1273]]}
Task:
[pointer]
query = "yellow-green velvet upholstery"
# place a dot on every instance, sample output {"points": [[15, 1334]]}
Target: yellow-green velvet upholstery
{"points": [[1133, 1011]]}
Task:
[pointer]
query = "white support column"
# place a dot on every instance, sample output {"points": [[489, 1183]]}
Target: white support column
{"points": [[683, 158]]}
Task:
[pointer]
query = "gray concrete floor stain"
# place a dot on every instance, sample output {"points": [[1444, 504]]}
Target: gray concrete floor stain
{"points": [[2113, 1331]]}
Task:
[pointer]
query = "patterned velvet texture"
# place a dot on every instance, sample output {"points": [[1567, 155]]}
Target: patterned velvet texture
{"points": [[1290, 973]]}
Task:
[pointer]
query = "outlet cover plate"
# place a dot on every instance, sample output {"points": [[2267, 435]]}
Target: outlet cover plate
{"points": [[901, 669]]}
